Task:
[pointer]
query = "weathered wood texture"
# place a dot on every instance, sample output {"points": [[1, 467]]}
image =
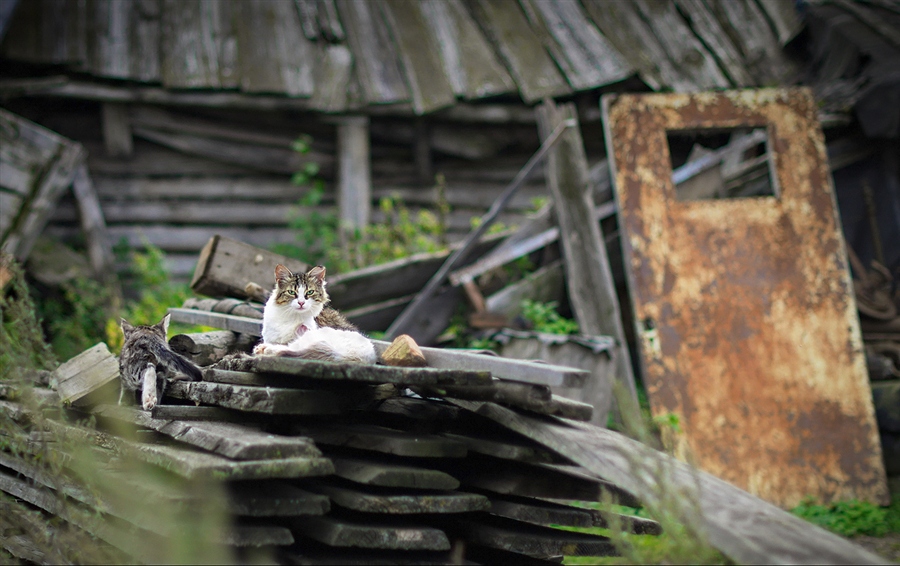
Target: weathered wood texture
{"points": [[345, 533], [392, 475], [265, 400], [383, 440], [592, 291], [534, 540], [86, 373], [742, 526], [401, 502]]}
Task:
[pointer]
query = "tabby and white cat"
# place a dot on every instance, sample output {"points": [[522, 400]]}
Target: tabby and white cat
{"points": [[147, 363], [297, 322]]}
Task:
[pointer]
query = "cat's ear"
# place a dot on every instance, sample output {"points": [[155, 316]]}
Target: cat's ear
{"points": [[126, 326], [282, 273], [164, 324], [318, 272]]}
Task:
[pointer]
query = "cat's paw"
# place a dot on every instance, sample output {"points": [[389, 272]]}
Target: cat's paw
{"points": [[148, 400], [259, 349]]}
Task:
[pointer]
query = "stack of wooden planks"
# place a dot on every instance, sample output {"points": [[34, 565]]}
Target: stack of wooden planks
{"points": [[315, 462]]}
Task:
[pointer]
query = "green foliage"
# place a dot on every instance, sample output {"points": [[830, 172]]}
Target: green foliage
{"points": [[22, 342], [460, 335], [850, 518], [544, 318]]}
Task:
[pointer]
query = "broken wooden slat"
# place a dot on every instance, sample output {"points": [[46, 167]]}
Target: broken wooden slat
{"points": [[268, 400], [86, 373], [384, 440], [401, 502], [361, 373], [533, 540], [205, 348], [592, 291], [343, 532], [274, 499], [744, 527], [513, 370], [226, 266], [226, 439], [391, 475]]}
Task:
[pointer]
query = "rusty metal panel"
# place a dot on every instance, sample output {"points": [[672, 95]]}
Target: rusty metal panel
{"points": [[747, 322]]}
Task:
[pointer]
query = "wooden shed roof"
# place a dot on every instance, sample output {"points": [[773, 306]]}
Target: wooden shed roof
{"points": [[339, 55]]}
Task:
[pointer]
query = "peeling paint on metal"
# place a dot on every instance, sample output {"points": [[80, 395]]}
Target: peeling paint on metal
{"points": [[753, 337]]}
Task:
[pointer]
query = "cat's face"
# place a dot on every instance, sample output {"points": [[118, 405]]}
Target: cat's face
{"points": [[301, 293]]}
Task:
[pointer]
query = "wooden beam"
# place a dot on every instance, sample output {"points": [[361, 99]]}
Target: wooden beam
{"points": [[354, 172], [592, 291], [117, 129]]}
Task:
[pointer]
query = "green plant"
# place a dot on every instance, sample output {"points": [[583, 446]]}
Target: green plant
{"points": [[849, 518], [544, 317], [22, 342]]}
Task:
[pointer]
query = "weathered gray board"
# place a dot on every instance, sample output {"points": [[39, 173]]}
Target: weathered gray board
{"points": [[744, 527], [592, 291], [86, 373]]}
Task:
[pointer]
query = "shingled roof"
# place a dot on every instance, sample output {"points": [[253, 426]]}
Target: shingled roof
{"points": [[341, 55]]}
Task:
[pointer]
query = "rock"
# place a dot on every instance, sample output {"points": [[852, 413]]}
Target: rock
{"points": [[403, 352]]}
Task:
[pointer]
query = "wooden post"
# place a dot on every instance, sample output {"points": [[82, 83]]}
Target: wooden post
{"points": [[592, 291], [117, 130], [422, 152], [354, 175]]}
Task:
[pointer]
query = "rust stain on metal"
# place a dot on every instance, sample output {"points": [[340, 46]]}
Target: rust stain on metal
{"points": [[748, 326]]}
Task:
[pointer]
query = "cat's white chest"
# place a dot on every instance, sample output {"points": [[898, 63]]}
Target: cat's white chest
{"points": [[284, 324]]}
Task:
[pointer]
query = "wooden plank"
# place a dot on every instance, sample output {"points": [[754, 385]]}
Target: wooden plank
{"points": [[158, 161], [533, 540], [557, 405], [688, 54], [332, 75], [391, 475], [266, 400], [401, 502], [354, 173], [360, 373], [375, 59], [93, 225], [708, 28], [86, 373], [429, 86], [125, 40], [744, 527], [197, 413], [383, 440], [268, 159], [532, 68], [623, 25], [784, 18], [586, 58], [591, 289], [274, 499], [205, 348], [227, 265], [204, 29], [116, 129], [226, 439], [505, 449], [544, 285], [504, 368], [546, 481], [203, 189], [542, 512], [272, 32], [470, 64], [231, 322], [346, 533], [747, 25]]}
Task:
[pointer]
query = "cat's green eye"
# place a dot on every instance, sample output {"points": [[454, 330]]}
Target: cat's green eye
{"points": [[309, 293], [290, 293]]}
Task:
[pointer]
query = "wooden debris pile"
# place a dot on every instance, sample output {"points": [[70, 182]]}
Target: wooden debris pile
{"points": [[321, 462]]}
